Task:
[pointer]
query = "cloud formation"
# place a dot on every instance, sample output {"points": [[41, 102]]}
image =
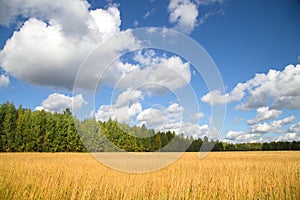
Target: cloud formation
{"points": [[127, 109], [57, 36], [295, 128], [188, 129], [264, 113], [240, 136], [59, 102], [184, 14], [258, 132], [122, 114], [152, 73], [288, 137], [274, 127], [282, 88], [4, 80], [198, 115], [124, 109], [158, 117], [49, 47], [70, 14]]}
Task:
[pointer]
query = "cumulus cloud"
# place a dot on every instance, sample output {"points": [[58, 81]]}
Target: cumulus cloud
{"points": [[187, 129], [184, 14], [289, 102], [59, 102], [288, 137], [122, 114], [50, 46], [215, 96], [71, 14], [258, 132], [282, 88], [198, 115], [240, 136], [56, 37], [159, 117], [152, 73], [127, 97], [295, 128], [152, 117], [124, 109], [264, 113], [4, 81], [156, 117], [170, 119], [274, 127]]}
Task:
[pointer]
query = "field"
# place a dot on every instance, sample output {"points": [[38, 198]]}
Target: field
{"points": [[228, 175]]}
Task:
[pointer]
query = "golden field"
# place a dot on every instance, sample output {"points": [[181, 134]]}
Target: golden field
{"points": [[222, 175]]}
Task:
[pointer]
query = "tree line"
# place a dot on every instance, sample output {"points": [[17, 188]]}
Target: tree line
{"points": [[24, 130]]}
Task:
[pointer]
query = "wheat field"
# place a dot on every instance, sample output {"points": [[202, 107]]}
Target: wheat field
{"points": [[222, 175]]}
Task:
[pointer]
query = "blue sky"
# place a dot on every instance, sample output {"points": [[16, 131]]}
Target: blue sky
{"points": [[254, 44]]}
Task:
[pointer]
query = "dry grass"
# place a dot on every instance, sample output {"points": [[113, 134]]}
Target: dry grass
{"points": [[230, 175]]}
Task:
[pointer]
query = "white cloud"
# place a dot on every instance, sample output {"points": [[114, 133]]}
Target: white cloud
{"points": [[289, 102], [295, 128], [128, 97], [152, 117], [105, 23], [4, 81], [59, 102], [287, 120], [264, 113], [149, 13], [160, 117], [127, 109], [209, 2], [198, 115], [175, 112], [215, 96], [135, 23], [70, 14], [274, 127], [50, 46], [153, 73], [241, 136], [122, 114], [170, 119], [231, 135], [47, 51], [206, 16], [280, 87], [288, 137], [124, 109], [184, 14], [187, 129], [265, 128], [258, 132]]}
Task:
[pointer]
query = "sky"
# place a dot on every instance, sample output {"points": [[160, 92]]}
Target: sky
{"points": [[98, 58]]}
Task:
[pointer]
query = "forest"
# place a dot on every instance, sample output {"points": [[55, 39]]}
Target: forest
{"points": [[24, 130]]}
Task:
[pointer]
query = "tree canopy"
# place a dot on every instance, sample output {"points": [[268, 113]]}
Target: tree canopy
{"points": [[23, 130]]}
